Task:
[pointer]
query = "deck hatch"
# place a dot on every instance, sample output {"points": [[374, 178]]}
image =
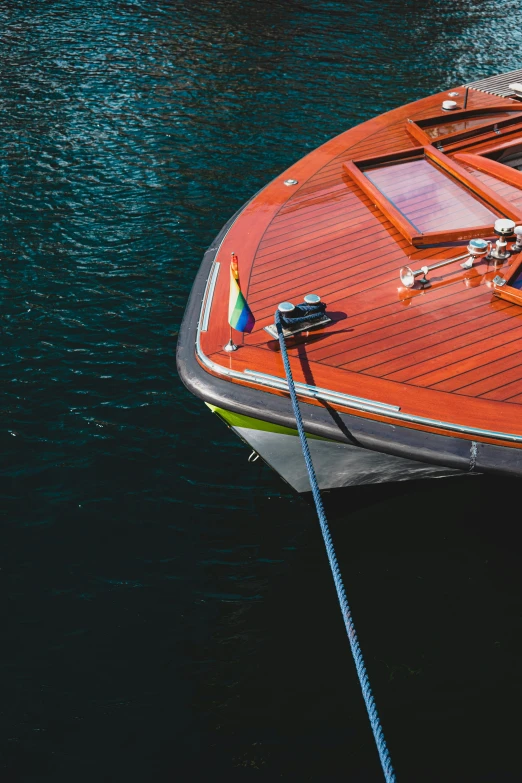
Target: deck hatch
{"points": [[439, 130], [430, 198], [464, 125]]}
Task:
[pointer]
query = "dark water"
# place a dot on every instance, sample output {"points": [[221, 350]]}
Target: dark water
{"points": [[168, 613]]}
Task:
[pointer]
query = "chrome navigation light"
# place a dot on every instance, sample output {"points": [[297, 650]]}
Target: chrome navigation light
{"points": [[503, 228], [449, 105], [517, 247]]}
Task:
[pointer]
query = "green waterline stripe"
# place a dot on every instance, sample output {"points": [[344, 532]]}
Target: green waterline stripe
{"points": [[239, 420]]}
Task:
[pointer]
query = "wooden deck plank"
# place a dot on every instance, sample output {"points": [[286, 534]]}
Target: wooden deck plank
{"points": [[327, 254], [373, 280], [379, 329], [480, 367], [402, 356], [450, 361], [317, 196], [505, 389], [337, 287], [364, 316], [311, 231], [336, 206], [371, 221], [516, 399], [461, 328], [371, 321], [494, 381]]}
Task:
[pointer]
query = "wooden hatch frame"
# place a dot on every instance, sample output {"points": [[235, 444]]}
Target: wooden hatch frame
{"points": [[417, 128], [502, 288], [431, 151]]}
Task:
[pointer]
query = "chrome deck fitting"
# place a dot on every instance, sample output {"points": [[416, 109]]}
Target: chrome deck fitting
{"points": [[504, 229], [475, 249], [303, 326]]}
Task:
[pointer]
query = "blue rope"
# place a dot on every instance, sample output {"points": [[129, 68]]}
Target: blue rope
{"points": [[303, 313], [384, 754]]}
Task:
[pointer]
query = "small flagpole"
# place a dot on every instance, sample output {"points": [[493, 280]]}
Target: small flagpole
{"points": [[230, 346]]}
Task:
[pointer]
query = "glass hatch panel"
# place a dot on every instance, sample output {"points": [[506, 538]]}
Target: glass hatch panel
{"points": [[440, 130], [429, 199], [512, 157], [516, 282]]}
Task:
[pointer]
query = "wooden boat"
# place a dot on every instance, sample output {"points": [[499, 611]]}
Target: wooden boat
{"points": [[418, 371]]}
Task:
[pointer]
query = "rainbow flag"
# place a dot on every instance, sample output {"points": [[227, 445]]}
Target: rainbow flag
{"points": [[239, 313]]}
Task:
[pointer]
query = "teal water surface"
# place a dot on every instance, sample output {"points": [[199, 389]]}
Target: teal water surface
{"points": [[169, 614]]}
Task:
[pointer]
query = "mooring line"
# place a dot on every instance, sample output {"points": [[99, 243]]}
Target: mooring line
{"points": [[364, 682]]}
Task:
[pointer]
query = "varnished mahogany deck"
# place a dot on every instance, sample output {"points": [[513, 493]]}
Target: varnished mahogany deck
{"points": [[451, 352]]}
